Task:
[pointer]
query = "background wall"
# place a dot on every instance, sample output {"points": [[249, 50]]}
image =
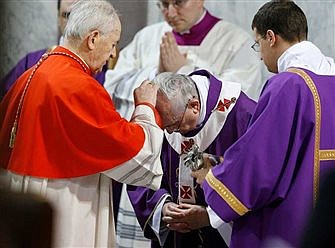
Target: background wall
{"points": [[30, 25]]}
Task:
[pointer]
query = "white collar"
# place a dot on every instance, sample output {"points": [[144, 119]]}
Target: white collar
{"points": [[308, 56]]}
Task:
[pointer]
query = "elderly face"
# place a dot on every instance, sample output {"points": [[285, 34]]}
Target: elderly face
{"points": [[64, 11], [181, 14], [104, 47], [177, 119]]}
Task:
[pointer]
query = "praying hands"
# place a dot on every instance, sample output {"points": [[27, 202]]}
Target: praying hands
{"points": [[170, 58]]}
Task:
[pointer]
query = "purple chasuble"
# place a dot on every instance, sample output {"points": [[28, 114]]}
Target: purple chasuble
{"points": [[198, 32], [269, 178], [28, 61], [144, 200]]}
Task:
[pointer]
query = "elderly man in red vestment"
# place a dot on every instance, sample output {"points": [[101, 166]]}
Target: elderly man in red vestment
{"points": [[61, 137]]}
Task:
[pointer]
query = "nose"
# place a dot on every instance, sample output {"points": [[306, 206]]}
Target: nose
{"points": [[113, 53], [171, 10]]}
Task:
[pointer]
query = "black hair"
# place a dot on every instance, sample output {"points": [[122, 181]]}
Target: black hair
{"points": [[284, 18]]}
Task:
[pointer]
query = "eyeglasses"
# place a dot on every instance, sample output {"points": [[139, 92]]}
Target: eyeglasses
{"points": [[171, 128], [177, 4], [255, 46]]}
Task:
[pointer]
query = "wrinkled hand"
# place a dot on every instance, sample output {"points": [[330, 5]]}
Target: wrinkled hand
{"points": [[200, 174], [185, 217], [170, 58], [172, 216], [146, 92], [195, 216]]}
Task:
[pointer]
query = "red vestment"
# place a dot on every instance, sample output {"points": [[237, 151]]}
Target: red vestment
{"points": [[68, 126]]}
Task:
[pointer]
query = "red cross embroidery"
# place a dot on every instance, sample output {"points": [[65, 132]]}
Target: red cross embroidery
{"points": [[186, 192], [186, 146], [222, 106]]}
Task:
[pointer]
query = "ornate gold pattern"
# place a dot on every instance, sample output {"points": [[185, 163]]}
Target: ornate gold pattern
{"points": [[317, 105], [225, 193], [327, 155]]}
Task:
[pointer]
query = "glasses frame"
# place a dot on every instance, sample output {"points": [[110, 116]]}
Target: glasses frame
{"points": [[181, 119], [256, 46], [177, 4]]}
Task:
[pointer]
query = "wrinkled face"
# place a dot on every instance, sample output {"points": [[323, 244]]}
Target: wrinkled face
{"points": [[174, 119], [266, 51], [104, 48], [63, 14], [181, 14]]}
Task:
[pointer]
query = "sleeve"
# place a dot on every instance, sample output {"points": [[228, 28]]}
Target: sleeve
{"points": [[225, 229], [145, 168], [266, 174], [146, 201]]}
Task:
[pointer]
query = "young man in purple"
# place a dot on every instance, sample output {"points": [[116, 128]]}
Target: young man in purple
{"points": [[198, 112], [269, 180]]}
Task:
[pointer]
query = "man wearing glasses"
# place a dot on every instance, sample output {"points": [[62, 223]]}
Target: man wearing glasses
{"points": [[200, 114], [190, 38]]}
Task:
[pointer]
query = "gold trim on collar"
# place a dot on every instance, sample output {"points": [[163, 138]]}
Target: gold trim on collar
{"points": [[225, 193], [327, 155], [317, 105]]}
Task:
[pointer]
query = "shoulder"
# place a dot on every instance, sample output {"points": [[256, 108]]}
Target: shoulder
{"points": [[285, 81]]}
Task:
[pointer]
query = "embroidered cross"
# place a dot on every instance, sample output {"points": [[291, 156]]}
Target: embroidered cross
{"points": [[185, 192], [223, 106], [186, 146]]}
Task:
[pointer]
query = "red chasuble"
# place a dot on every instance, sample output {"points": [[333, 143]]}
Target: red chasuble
{"points": [[68, 126]]}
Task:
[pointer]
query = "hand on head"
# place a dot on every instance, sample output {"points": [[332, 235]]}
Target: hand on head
{"points": [[146, 92]]}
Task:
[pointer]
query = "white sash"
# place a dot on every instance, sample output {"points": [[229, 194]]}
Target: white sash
{"points": [[203, 138]]}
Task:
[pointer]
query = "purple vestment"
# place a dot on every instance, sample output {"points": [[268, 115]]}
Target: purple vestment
{"points": [[144, 200], [269, 178], [24, 64]]}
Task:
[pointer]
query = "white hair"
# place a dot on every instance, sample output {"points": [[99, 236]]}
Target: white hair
{"points": [[178, 88], [88, 15]]}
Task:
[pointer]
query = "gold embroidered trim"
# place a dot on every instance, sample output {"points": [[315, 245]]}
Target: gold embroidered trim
{"points": [[317, 105], [327, 155], [225, 193]]}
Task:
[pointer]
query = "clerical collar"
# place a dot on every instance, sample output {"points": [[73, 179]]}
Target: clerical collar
{"points": [[198, 32], [308, 56], [202, 84]]}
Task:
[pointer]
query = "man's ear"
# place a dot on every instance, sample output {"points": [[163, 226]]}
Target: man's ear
{"points": [[195, 105], [92, 39], [271, 37]]}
